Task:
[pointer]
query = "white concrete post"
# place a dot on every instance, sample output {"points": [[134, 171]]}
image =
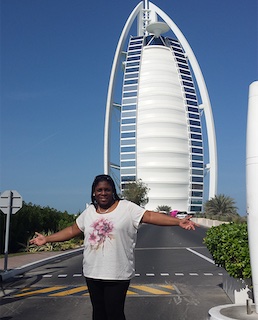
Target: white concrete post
{"points": [[252, 183]]}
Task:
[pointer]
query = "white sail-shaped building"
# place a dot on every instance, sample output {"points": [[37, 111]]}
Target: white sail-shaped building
{"points": [[163, 103]]}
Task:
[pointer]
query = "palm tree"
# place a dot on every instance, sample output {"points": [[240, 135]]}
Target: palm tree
{"points": [[221, 205]]}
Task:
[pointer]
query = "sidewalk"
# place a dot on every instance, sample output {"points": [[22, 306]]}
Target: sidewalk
{"points": [[16, 261], [19, 264]]}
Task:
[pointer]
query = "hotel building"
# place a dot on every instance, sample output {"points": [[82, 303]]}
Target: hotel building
{"points": [[162, 109]]}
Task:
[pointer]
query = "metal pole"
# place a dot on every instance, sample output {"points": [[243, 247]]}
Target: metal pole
{"points": [[8, 216]]}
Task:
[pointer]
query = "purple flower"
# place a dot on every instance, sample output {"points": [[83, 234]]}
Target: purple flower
{"points": [[102, 230]]}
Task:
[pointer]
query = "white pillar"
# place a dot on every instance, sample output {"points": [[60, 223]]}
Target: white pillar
{"points": [[252, 183]]}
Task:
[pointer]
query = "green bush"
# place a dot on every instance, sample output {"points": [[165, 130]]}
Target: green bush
{"points": [[55, 246], [228, 245]]}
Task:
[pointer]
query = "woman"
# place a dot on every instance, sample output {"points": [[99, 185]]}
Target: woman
{"points": [[110, 227]]}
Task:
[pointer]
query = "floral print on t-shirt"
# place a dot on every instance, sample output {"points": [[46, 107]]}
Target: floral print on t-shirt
{"points": [[102, 231]]}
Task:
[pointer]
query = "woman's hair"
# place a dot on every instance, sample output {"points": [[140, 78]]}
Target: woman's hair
{"points": [[109, 180]]}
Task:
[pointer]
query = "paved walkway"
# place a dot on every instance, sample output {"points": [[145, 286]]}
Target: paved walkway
{"points": [[16, 261]]}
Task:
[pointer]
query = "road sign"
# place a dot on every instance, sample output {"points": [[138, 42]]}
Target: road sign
{"points": [[10, 201]]}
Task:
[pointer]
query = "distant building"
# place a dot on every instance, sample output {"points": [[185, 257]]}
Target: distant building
{"points": [[163, 99]]}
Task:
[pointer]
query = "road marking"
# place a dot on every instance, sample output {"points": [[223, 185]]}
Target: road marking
{"points": [[38, 291], [62, 291], [164, 274], [77, 275], [47, 276], [193, 274], [208, 274], [179, 274], [150, 289], [68, 292], [200, 255], [150, 274], [166, 248], [62, 275]]}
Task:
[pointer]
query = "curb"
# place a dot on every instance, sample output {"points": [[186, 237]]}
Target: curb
{"points": [[232, 312], [27, 267]]}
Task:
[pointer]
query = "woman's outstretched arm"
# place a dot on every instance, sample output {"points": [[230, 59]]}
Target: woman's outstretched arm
{"points": [[63, 235], [161, 219]]}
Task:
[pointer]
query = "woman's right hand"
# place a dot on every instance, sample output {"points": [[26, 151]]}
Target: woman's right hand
{"points": [[39, 240]]}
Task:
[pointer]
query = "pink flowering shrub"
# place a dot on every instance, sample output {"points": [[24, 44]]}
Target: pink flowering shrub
{"points": [[102, 230]]}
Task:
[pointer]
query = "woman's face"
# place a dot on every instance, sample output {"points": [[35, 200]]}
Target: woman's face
{"points": [[104, 194]]}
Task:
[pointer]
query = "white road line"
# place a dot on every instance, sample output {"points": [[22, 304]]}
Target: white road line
{"points": [[62, 275], [47, 276], [164, 274], [200, 255], [179, 274], [150, 274], [208, 274], [77, 275], [193, 274], [137, 274]]}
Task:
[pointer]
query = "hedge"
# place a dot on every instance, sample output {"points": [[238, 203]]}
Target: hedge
{"points": [[228, 245]]}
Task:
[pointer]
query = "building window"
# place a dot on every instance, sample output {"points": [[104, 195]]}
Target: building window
{"points": [[186, 78], [133, 55], [128, 178], [134, 47], [129, 70], [127, 142], [127, 171], [197, 172], [131, 88], [191, 109], [197, 164], [128, 121], [197, 186], [134, 81], [197, 179], [194, 129], [131, 75], [128, 163], [128, 156], [128, 128], [129, 100], [129, 107], [191, 90], [196, 194], [197, 143], [191, 103], [194, 116], [195, 123], [128, 149], [196, 209], [197, 158], [128, 135], [128, 114]]}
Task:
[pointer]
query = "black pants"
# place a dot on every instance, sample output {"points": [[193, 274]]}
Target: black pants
{"points": [[107, 298]]}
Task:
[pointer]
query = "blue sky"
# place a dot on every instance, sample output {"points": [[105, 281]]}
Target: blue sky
{"points": [[56, 57]]}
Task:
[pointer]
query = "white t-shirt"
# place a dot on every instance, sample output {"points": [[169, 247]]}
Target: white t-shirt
{"points": [[109, 241]]}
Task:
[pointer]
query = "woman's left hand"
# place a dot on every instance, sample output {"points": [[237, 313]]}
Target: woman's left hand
{"points": [[187, 224]]}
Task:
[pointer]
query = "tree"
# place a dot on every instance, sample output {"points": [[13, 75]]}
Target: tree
{"points": [[221, 205], [136, 192], [164, 208], [31, 218]]}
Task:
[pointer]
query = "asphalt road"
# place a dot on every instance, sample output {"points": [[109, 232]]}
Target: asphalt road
{"points": [[175, 279]]}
